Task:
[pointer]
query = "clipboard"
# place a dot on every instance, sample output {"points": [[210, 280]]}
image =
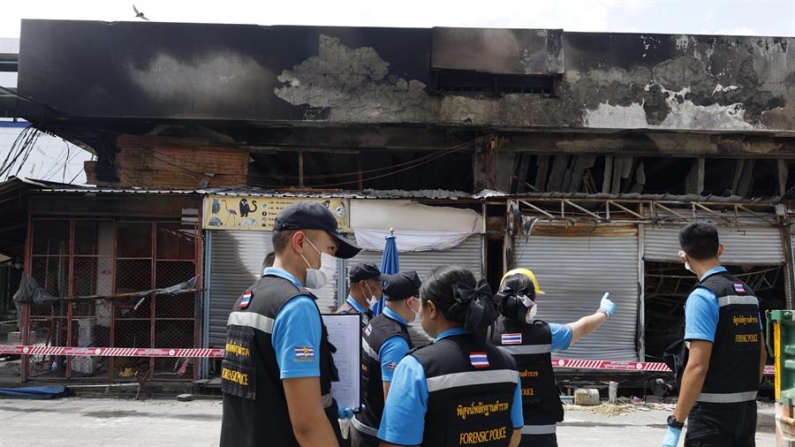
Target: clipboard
{"points": [[345, 333]]}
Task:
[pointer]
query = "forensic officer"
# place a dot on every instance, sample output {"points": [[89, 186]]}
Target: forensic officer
{"points": [[726, 353], [385, 341], [531, 342], [460, 390], [277, 371], [365, 290]]}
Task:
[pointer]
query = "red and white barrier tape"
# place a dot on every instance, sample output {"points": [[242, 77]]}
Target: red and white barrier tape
{"points": [[611, 365], [111, 352], [603, 365]]}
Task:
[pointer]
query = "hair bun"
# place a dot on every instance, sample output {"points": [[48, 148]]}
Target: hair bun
{"points": [[473, 307]]}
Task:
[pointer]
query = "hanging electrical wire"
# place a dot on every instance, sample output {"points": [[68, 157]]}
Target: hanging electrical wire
{"points": [[21, 147], [28, 150]]}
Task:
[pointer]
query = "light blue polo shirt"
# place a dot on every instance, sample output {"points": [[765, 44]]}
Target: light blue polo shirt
{"points": [[561, 336], [355, 305], [394, 348], [296, 333], [403, 421]]}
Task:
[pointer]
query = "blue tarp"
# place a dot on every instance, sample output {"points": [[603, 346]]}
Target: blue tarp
{"points": [[37, 392], [389, 266]]}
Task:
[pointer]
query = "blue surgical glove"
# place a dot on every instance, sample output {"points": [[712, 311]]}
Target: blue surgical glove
{"points": [[607, 306], [671, 438], [344, 413]]}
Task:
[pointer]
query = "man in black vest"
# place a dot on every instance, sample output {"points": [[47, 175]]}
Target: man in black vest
{"points": [[726, 357], [531, 343], [277, 371], [385, 341], [365, 289]]}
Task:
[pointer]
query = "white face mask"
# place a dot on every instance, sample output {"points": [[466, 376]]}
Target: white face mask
{"points": [[531, 314], [416, 312], [373, 299], [318, 278], [687, 266]]}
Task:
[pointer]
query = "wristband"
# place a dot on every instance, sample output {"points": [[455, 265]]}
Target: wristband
{"points": [[673, 423]]}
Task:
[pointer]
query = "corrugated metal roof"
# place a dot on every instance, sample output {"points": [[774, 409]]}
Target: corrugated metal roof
{"points": [[399, 194], [365, 194], [258, 192]]}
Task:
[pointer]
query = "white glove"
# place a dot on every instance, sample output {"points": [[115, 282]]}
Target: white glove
{"points": [[606, 306]]}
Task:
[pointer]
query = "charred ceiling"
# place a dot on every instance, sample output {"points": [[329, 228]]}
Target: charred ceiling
{"points": [[592, 174]]}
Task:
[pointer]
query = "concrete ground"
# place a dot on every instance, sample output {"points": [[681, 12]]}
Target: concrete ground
{"points": [[94, 422]]}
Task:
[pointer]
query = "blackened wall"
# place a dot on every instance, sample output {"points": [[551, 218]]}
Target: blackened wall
{"points": [[161, 71]]}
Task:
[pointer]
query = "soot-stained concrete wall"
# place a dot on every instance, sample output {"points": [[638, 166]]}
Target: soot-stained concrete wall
{"points": [[610, 81], [371, 76]]}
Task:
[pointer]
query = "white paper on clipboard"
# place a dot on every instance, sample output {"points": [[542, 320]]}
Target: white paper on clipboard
{"points": [[345, 333]]}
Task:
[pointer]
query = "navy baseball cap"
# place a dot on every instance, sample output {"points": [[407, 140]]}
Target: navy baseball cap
{"points": [[308, 215], [402, 285], [362, 272]]}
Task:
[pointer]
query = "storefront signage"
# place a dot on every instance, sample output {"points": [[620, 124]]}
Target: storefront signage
{"points": [[259, 213]]}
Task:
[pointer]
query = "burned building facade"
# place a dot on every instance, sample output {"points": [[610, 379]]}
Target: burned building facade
{"points": [[578, 155]]}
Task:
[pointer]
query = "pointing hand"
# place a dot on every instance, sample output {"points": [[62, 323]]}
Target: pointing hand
{"points": [[606, 306]]}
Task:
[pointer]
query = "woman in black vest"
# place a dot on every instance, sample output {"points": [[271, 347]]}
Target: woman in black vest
{"points": [[531, 343], [459, 390]]}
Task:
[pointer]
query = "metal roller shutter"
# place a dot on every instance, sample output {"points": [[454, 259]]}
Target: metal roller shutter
{"points": [[235, 262], [744, 245], [574, 272], [469, 254]]}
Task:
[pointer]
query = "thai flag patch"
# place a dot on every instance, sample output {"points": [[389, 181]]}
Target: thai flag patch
{"points": [[305, 352], [739, 288], [368, 330], [390, 366], [512, 339], [245, 299], [479, 359]]}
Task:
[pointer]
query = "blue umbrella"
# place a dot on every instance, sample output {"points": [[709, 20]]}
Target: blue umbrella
{"points": [[389, 265]]}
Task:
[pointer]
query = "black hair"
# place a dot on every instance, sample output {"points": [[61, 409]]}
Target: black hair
{"points": [[269, 258], [461, 298], [699, 240], [508, 299], [281, 239]]}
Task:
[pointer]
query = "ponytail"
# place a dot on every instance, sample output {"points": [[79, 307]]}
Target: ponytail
{"points": [[513, 291]]}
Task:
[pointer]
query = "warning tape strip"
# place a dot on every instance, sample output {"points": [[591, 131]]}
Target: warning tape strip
{"points": [[612, 365], [604, 365], [111, 352]]}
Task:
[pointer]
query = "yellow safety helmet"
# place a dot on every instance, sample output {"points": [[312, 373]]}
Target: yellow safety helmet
{"points": [[526, 273]]}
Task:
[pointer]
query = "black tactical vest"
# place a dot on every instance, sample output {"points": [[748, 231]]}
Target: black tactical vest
{"points": [[254, 405], [374, 335], [531, 347], [471, 387], [733, 374]]}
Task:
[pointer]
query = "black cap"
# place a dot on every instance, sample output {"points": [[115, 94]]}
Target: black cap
{"points": [[361, 272], [308, 215], [402, 285]]}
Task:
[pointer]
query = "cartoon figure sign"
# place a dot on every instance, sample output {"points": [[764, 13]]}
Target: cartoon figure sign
{"points": [[259, 213]]}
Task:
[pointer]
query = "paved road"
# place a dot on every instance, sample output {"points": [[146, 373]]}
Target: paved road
{"points": [[91, 422]]}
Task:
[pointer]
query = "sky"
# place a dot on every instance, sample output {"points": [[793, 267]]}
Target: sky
{"points": [[725, 17], [742, 17]]}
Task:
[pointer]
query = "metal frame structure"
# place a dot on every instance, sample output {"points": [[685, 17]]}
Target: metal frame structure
{"points": [[155, 261]]}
